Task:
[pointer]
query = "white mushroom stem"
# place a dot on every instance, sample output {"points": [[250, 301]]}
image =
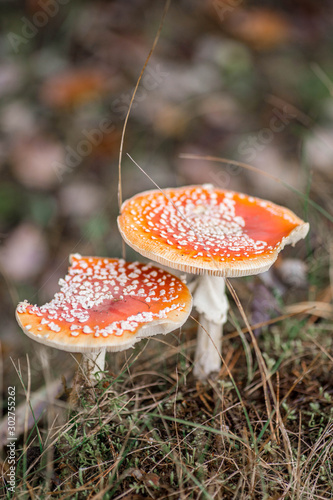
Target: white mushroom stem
{"points": [[91, 364], [210, 300]]}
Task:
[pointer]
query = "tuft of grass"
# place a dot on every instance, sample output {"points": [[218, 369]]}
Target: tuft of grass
{"points": [[157, 433]]}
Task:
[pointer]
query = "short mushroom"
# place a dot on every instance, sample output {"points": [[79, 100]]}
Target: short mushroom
{"points": [[106, 305], [214, 233]]}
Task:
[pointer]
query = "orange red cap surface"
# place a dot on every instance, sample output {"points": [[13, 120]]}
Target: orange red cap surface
{"points": [[107, 304], [201, 229]]}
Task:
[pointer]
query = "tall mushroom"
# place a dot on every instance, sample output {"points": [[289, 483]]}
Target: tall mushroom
{"points": [[214, 233], [106, 305]]}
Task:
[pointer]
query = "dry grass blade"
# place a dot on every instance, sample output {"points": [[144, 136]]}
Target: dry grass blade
{"points": [[291, 109], [320, 451], [166, 8], [266, 380], [163, 436], [216, 159], [246, 166], [225, 365], [321, 347], [246, 347], [181, 215], [261, 324], [323, 77], [261, 362], [262, 366], [120, 195]]}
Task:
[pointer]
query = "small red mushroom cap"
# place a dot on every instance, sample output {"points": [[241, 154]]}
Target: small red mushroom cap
{"points": [[107, 304], [202, 229]]}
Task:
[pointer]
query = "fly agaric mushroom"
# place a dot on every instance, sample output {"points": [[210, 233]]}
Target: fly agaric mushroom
{"points": [[212, 232], [106, 305]]}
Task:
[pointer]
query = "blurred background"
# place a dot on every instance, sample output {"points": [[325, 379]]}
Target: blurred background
{"points": [[245, 80]]}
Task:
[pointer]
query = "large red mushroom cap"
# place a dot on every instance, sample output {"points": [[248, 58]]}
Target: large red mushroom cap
{"points": [[107, 304], [202, 229]]}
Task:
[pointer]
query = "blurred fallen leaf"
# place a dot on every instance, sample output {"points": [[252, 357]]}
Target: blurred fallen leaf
{"points": [[81, 199], [319, 309], [261, 28], [34, 161], [73, 87], [108, 146], [270, 159], [182, 81], [293, 272], [221, 111], [201, 171], [151, 479], [17, 118], [170, 120], [36, 5], [10, 78], [24, 253], [319, 150]]}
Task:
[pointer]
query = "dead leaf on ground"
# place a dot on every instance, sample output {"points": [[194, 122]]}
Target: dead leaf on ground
{"points": [[293, 272], [36, 161], [319, 309], [73, 87], [260, 28], [24, 253]]}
